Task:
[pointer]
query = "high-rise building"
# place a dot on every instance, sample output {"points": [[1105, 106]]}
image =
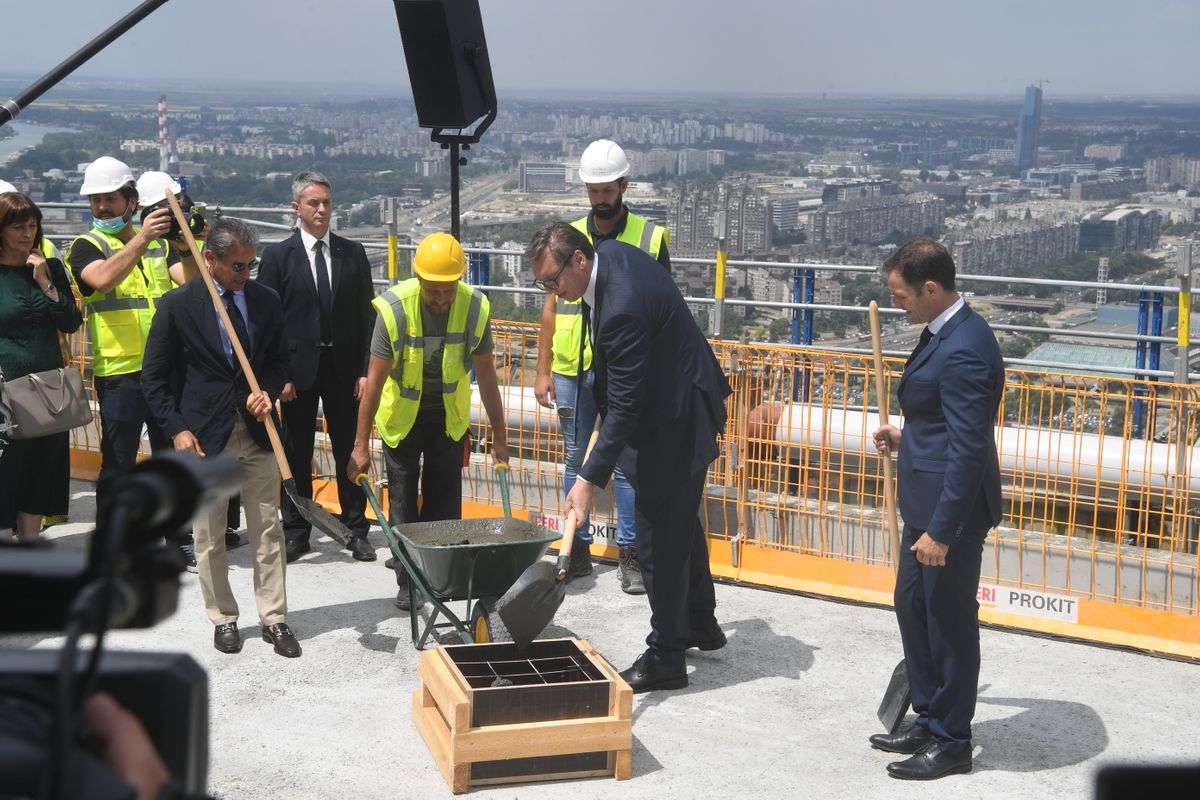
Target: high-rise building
{"points": [[1028, 125], [872, 219], [1122, 230], [539, 176], [747, 215]]}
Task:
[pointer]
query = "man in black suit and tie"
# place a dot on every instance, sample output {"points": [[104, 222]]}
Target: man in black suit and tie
{"points": [[949, 492], [197, 392], [324, 283], [661, 397]]}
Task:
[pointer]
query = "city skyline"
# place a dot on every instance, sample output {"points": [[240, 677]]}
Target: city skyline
{"points": [[935, 47]]}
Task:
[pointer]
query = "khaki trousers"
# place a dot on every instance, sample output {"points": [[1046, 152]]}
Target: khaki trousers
{"points": [[260, 499]]}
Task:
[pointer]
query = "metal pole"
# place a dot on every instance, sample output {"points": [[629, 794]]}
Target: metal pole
{"points": [[454, 231], [797, 297], [1139, 363], [1183, 537], [9, 109], [810, 296], [717, 325]]}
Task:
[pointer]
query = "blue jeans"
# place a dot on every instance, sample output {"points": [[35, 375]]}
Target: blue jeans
{"points": [[583, 420]]}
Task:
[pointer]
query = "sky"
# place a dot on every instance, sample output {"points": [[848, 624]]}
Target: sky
{"points": [[800, 47]]}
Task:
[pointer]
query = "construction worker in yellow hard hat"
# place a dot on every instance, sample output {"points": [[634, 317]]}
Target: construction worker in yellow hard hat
{"points": [[431, 331], [604, 170]]}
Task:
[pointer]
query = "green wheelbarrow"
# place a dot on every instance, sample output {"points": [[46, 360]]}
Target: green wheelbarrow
{"points": [[471, 560]]}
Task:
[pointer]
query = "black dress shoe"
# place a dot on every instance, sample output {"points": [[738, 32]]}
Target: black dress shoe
{"points": [[227, 639], [232, 539], [281, 636], [361, 549], [709, 637], [910, 740], [931, 763], [648, 673], [294, 549]]}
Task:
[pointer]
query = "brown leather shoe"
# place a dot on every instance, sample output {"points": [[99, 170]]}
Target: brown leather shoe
{"points": [[227, 639], [284, 640]]}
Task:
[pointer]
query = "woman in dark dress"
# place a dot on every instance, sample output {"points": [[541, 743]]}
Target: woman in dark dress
{"points": [[35, 304]]}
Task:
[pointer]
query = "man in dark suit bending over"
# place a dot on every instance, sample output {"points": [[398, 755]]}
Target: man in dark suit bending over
{"points": [[949, 492], [199, 395], [324, 283], [661, 397]]}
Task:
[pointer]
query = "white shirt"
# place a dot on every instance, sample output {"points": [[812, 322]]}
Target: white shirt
{"points": [[945, 316], [310, 242]]}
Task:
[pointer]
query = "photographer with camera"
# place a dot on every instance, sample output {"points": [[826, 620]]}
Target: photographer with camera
{"points": [[120, 279], [152, 188]]}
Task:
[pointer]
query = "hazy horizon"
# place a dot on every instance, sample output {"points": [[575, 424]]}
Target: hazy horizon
{"points": [[872, 48]]}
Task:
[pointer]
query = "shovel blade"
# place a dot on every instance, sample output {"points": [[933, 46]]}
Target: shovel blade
{"points": [[316, 515], [896, 699], [530, 604]]}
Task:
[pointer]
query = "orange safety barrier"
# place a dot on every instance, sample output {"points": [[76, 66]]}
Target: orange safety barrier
{"points": [[1101, 485]]}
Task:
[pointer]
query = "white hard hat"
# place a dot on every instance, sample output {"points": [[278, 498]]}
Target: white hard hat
{"points": [[105, 175], [603, 161], [5, 186], [152, 188]]}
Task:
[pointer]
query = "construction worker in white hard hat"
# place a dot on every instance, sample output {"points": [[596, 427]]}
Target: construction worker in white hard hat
{"points": [[604, 169], [430, 332], [152, 188], [48, 248], [120, 280]]}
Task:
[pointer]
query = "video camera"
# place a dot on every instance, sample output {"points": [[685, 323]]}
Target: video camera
{"points": [[195, 217], [128, 578]]}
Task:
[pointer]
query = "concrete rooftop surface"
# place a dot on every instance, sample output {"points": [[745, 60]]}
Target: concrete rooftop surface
{"points": [[783, 711]]}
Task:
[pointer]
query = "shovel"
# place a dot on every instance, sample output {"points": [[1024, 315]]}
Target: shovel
{"points": [[898, 695], [312, 511], [530, 604]]}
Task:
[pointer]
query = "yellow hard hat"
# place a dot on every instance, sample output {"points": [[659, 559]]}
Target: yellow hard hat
{"points": [[440, 258]]}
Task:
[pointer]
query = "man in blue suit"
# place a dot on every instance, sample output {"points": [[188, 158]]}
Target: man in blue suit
{"points": [[949, 493], [661, 396], [197, 391]]}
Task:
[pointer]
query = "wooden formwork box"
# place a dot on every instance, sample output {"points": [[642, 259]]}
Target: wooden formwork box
{"points": [[495, 735]]}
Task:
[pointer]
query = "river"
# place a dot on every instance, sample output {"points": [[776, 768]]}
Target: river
{"points": [[29, 134]]}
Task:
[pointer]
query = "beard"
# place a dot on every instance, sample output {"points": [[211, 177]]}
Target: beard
{"points": [[607, 212]]}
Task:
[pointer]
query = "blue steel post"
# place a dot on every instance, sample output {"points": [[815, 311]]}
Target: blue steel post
{"points": [[1156, 323], [797, 297], [810, 293], [1139, 406]]}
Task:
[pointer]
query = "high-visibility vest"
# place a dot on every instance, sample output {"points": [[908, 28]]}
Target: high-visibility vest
{"points": [[568, 324], [400, 309], [119, 320], [48, 249]]}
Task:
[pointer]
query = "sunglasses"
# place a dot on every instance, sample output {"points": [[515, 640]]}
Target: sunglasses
{"points": [[239, 267]]}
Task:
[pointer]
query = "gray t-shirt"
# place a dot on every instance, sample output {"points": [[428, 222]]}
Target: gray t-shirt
{"points": [[433, 329]]}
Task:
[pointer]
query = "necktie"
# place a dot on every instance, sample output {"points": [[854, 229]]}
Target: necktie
{"points": [[584, 340], [239, 328], [323, 295], [926, 335]]}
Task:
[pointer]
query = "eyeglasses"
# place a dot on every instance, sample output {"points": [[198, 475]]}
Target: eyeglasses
{"points": [[237, 266], [550, 284]]}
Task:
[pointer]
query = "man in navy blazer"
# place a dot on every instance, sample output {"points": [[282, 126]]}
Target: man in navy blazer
{"points": [[198, 393], [324, 283], [949, 492], [661, 397]]}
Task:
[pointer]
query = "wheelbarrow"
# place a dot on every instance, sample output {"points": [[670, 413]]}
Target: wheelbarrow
{"points": [[471, 560]]}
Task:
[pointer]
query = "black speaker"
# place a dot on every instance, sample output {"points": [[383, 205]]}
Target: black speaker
{"points": [[447, 60]]}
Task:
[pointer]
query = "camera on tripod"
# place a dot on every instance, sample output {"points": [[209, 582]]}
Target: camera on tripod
{"points": [[128, 578]]}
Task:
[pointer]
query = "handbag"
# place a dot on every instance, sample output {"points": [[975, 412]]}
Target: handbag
{"points": [[42, 403]]}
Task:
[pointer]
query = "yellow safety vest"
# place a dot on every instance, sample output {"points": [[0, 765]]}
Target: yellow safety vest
{"points": [[568, 324], [119, 321], [400, 308], [48, 249]]}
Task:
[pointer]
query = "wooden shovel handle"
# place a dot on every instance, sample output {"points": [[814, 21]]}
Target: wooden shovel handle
{"points": [[889, 480], [572, 522], [276, 445]]}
